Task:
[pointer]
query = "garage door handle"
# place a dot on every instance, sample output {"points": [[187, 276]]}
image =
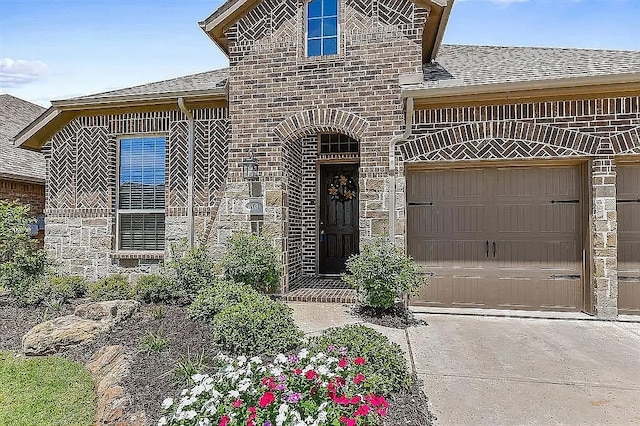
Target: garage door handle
{"points": [[494, 249], [487, 245], [565, 201], [565, 277], [629, 201]]}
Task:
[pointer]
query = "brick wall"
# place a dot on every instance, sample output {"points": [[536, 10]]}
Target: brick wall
{"points": [[31, 194], [82, 176], [278, 98]]}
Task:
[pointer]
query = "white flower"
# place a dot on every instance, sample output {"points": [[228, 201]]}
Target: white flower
{"points": [[204, 422], [162, 421], [197, 378], [244, 384], [241, 360], [209, 407], [166, 404], [234, 394], [276, 371], [189, 415], [322, 370], [303, 354], [215, 394], [281, 359], [322, 416], [256, 360]]}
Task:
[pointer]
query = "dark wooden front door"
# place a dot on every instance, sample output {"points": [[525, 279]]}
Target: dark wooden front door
{"points": [[338, 227]]}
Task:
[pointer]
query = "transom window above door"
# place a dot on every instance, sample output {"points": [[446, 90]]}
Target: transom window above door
{"points": [[322, 27], [335, 143]]}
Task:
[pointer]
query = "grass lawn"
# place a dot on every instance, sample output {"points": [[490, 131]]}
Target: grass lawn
{"points": [[44, 391]]}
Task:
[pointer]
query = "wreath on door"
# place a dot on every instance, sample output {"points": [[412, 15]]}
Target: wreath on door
{"points": [[342, 188]]}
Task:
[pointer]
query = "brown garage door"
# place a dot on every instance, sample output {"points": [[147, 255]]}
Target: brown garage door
{"points": [[498, 237], [629, 239]]}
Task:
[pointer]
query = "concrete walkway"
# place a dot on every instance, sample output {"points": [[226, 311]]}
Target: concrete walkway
{"points": [[480, 370]]}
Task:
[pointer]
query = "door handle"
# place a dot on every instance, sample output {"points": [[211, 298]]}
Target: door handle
{"points": [[487, 246], [322, 236], [494, 249]]}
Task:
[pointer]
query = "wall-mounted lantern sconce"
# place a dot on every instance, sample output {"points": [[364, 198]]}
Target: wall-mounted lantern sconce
{"points": [[250, 168]]}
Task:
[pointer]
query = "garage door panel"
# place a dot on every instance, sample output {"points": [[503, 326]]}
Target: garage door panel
{"points": [[628, 185], [537, 260]]}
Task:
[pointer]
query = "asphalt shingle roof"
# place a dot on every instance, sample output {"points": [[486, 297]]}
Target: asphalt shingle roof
{"points": [[208, 80], [459, 65], [15, 114]]}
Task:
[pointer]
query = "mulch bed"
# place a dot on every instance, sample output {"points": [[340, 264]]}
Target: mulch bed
{"points": [[396, 317], [151, 379]]}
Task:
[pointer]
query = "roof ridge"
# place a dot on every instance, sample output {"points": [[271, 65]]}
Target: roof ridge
{"points": [[586, 49]]}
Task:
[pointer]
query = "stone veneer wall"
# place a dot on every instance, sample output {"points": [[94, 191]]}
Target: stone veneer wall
{"points": [[598, 130], [278, 97], [82, 176]]}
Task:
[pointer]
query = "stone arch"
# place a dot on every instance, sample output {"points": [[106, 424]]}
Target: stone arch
{"points": [[313, 121], [499, 139]]}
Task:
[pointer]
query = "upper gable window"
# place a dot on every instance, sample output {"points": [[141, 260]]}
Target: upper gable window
{"points": [[322, 27]]}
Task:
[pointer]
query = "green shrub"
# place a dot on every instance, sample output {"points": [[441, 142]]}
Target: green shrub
{"points": [[222, 294], [156, 288], [21, 263], [382, 273], [252, 260], [52, 290], [385, 369], [191, 270], [261, 326], [115, 287], [67, 287]]}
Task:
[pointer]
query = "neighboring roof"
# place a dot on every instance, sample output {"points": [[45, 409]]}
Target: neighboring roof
{"points": [[233, 10], [17, 163], [461, 69], [204, 81]]}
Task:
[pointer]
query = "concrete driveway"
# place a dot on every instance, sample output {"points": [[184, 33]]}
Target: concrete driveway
{"points": [[511, 371]]}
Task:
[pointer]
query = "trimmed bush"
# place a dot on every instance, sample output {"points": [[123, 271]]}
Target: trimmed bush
{"points": [[382, 273], [252, 259], [260, 327], [191, 271], [385, 369], [52, 289], [115, 287], [67, 287], [21, 264], [156, 288], [222, 294]]}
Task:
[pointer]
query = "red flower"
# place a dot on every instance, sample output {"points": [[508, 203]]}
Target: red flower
{"points": [[358, 379], [310, 375], [381, 411], [252, 411], [355, 400], [266, 399], [297, 371], [343, 363], [342, 400], [362, 410], [224, 421], [359, 361], [237, 403], [347, 421], [340, 381]]}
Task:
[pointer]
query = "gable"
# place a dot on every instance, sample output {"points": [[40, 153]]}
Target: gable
{"points": [[255, 19]]}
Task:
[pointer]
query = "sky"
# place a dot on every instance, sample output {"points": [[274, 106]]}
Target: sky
{"points": [[58, 49]]}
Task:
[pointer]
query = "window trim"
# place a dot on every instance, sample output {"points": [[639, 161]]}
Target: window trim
{"points": [[117, 250], [306, 32]]}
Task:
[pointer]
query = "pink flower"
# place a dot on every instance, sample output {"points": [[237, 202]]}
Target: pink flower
{"points": [[310, 375], [343, 363], [358, 379], [266, 399], [347, 421], [362, 410], [381, 411], [359, 361], [237, 403], [224, 421], [355, 400]]}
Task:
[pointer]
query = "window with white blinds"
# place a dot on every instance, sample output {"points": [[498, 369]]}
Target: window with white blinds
{"points": [[141, 174]]}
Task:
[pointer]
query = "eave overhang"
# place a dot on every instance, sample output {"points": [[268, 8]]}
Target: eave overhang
{"points": [[36, 134], [230, 12], [570, 88]]}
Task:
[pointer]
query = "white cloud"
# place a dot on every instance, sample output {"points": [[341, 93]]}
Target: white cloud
{"points": [[14, 73]]}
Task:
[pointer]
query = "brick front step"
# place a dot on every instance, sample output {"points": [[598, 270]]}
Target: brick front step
{"points": [[321, 295]]}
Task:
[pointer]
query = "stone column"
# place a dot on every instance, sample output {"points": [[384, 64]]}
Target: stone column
{"points": [[605, 236]]}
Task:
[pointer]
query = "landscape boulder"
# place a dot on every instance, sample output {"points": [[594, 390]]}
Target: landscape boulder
{"points": [[88, 321]]}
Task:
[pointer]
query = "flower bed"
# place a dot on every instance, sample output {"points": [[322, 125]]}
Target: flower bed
{"points": [[295, 390]]}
